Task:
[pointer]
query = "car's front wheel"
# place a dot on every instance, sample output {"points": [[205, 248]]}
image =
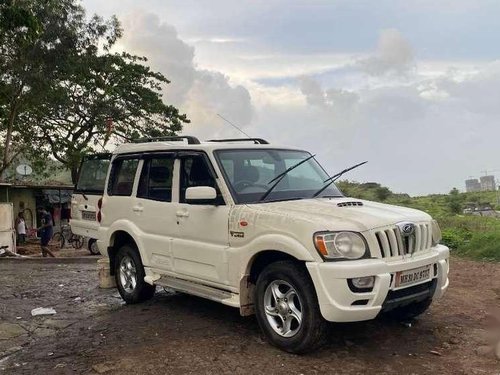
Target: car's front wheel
{"points": [[287, 308], [129, 276]]}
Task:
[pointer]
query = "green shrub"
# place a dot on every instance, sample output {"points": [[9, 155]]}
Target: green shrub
{"points": [[456, 238], [484, 246]]}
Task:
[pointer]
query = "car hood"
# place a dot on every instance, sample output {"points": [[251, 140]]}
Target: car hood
{"points": [[343, 213]]}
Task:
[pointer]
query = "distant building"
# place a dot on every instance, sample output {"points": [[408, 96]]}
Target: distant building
{"points": [[488, 183], [472, 185]]}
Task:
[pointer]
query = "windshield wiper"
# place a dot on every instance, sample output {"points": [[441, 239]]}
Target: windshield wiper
{"points": [[279, 177], [336, 176]]}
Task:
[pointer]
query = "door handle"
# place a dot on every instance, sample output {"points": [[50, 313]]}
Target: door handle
{"points": [[182, 213], [137, 208]]}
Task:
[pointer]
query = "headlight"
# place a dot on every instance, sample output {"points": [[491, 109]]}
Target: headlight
{"points": [[340, 245], [436, 233]]}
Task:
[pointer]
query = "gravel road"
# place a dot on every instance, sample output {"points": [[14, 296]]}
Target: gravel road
{"points": [[93, 332]]}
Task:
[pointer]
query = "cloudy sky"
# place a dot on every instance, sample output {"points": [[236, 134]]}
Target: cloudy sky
{"points": [[411, 86]]}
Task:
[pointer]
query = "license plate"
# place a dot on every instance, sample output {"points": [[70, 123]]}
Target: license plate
{"points": [[414, 276], [88, 215]]}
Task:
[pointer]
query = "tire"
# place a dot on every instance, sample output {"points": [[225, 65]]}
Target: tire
{"points": [[58, 239], [76, 241], [131, 291], [92, 246], [410, 311], [297, 295]]}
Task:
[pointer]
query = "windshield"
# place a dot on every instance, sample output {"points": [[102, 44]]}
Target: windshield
{"points": [[249, 173], [93, 171]]}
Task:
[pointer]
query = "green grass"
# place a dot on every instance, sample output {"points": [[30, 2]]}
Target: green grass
{"points": [[472, 237]]}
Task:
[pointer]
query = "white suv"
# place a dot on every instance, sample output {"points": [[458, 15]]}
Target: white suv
{"points": [[263, 228]]}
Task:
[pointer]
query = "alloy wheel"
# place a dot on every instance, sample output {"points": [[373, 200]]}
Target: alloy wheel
{"points": [[283, 308]]}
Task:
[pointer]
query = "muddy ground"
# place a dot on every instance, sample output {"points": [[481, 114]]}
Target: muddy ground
{"points": [[94, 333], [32, 249]]}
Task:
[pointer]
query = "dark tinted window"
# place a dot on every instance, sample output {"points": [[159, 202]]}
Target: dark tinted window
{"points": [[122, 177], [156, 179]]}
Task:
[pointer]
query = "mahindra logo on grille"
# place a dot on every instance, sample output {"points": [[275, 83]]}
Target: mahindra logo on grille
{"points": [[407, 231], [407, 228]]}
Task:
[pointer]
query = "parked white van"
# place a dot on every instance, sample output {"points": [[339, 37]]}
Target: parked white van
{"points": [[88, 190], [264, 229]]}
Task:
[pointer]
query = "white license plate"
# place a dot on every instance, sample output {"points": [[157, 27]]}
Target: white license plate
{"points": [[88, 215], [414, 276]]}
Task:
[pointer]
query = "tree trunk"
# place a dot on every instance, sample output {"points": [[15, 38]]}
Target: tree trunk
{"points": [[6, 161], [8, 138], [74, 174]]}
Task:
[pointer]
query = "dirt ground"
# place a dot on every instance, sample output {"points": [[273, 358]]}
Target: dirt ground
{"points": [[93, 332], [32, 248]]}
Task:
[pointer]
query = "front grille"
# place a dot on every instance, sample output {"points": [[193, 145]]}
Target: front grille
{"points": [[392, 244]]}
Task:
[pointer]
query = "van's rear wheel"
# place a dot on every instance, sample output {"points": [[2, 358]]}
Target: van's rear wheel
{"points": [[129, 276], [92, 246], [287, 308]]}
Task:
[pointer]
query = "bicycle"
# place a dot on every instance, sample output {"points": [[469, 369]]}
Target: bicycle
{"points": [[65, 234]]}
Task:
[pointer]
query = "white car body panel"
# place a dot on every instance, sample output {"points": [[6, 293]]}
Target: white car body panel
{"points": [[215, 245]]}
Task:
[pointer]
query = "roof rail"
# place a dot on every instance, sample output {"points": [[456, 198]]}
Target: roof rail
{"points": [[190, 140], [257, 141]]}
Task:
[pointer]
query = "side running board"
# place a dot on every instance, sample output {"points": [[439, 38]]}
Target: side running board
{"points": [[200, 290]]}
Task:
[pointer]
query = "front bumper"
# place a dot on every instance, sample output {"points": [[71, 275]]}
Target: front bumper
{"points": [[336, 298]]}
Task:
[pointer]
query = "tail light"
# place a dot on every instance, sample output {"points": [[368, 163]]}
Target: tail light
{"points": [[99, 206]]}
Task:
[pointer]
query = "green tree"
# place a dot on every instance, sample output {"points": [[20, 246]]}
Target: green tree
{"points": [[64, 93], [454, 201]]}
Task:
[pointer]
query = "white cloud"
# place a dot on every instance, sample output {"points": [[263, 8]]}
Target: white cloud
{"points": [[394, 54], [198, 92], [425, 114]]}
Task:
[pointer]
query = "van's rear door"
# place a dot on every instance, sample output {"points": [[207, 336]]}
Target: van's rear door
{"points": [[88, 190]]}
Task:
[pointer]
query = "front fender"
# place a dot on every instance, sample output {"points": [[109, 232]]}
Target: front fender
{"points": [[241, 257], [245, 256], [277, 242]]}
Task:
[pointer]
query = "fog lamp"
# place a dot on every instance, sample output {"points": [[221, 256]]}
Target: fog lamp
{"points": [[363, 283]]}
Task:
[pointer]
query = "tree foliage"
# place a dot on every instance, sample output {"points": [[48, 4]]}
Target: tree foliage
{"points": [[455, 201], [63, 92]]}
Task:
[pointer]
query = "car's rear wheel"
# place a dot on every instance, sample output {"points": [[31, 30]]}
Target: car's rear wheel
{"points": [[129, 276], [287, 308]]}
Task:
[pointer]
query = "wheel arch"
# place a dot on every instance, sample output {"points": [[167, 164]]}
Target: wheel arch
{"points": [[256, 264], [116, 241]]}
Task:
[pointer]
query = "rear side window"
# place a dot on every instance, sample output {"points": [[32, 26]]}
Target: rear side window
{"points": [[156, 179], [122, 177]]}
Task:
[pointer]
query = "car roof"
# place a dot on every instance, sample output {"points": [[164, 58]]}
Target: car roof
{"points": [[209, 146]]}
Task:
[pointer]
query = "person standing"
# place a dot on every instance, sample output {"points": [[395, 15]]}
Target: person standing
{"points": [[21, 228], [46, 232]]}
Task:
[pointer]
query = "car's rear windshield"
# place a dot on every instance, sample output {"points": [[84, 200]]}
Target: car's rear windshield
{"points": [[249, 174], [92, 175]]}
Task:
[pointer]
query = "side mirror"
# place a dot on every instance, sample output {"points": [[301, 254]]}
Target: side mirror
{"points": [[201, 195]]}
